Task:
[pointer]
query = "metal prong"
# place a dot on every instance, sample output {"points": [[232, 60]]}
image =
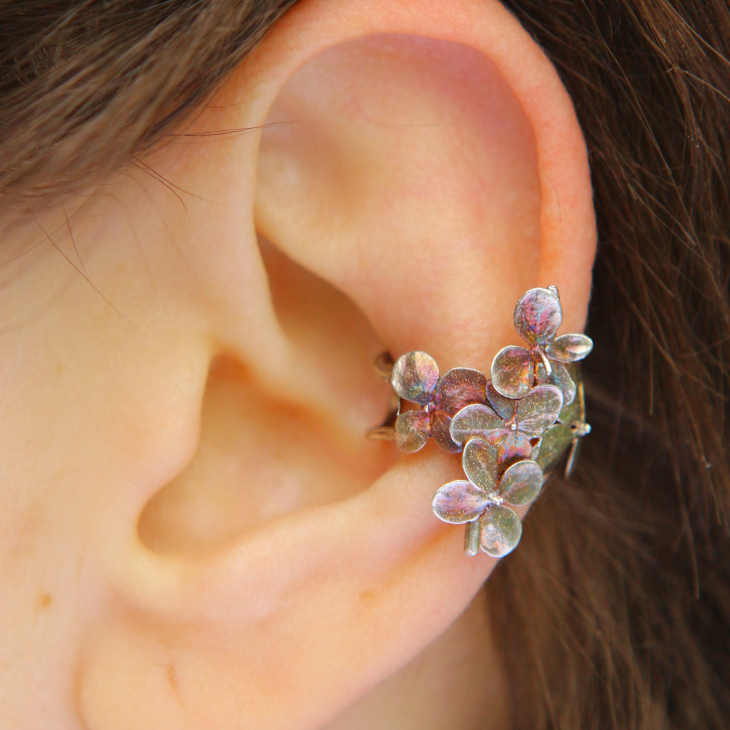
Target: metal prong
{"points": [[381, 433], [471, 538], [384, 365], [570, 464], [554, 290], [386, 430], [545, 362]]}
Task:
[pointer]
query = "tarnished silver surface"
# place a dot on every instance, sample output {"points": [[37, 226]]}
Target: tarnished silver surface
{"points": [[559, 377], [415, 376], [479, 461], [471, 538], [459, 387], [525, 419], [552, 447], [412, 430], [475, 421], [521, 483], [569, 348], [504, 407], [513, 429], [539, 409], [459, 502], [513, 372], [441, 432], [538, 315], [500, 530], [574, 412]]}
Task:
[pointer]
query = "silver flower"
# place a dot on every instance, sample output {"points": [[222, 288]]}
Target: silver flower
{"points": [[537, 317], [512, 426], [415, 378], [483, 499]]}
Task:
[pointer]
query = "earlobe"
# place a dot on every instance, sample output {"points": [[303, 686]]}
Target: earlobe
{"points": [[427, 162]]}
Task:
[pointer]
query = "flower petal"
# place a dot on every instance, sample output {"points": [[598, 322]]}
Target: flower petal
{"points": [[459, 502], [539, 409], [475, 421], [513, 372], [559, 377], [480, 464], [569, 348], [552, 447], [512, 447], [503, 407], [412, 430], [415, 376], [440, 425], [458, 388], [500, 531], [521, 483], [538, 315]]}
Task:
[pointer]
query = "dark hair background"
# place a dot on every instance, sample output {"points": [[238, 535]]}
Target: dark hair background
{"points": [[615, 612]]}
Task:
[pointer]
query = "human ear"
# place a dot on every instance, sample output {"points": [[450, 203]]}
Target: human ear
{"points": [[425, 161]]}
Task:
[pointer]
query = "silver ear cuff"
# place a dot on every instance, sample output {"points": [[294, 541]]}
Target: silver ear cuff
{"points": [[512, 430]]}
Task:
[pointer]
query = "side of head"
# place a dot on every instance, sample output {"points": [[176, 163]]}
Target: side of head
{"points": [[195, 532]]}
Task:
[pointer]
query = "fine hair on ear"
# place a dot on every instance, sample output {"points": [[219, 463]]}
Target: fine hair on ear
{"points": [[607, 615]]}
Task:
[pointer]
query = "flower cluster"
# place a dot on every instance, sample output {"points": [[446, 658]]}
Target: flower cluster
{"points": [[512, 430], [415, 378], [516, 370]]}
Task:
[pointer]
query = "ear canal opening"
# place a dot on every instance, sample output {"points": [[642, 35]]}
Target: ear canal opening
{"points": [[262, 456]]}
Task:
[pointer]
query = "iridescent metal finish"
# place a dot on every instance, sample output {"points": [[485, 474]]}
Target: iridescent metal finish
{"points": [[415, 376], [459, 387], [521, 483], [513, 430], [538, 315], [569, 348], [480, 466], [552, 447], [566, 434], [412, 430], [524, 420], [441, 432], [539, 409], [500, 531], [475, 421], [459, 502], [559, 377], [515, 370]]}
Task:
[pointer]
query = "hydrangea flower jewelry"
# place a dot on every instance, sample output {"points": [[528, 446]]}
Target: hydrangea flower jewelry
{"points": [[512, 430]]}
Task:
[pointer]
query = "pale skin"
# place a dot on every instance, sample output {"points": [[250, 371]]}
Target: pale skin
{"points": [[194, 533]]}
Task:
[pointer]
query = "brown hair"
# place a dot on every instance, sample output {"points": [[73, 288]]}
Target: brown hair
{"points": [[615, 612]]}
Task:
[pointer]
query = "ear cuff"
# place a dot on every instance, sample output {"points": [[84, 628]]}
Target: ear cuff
{"points": [[512, 430]]}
